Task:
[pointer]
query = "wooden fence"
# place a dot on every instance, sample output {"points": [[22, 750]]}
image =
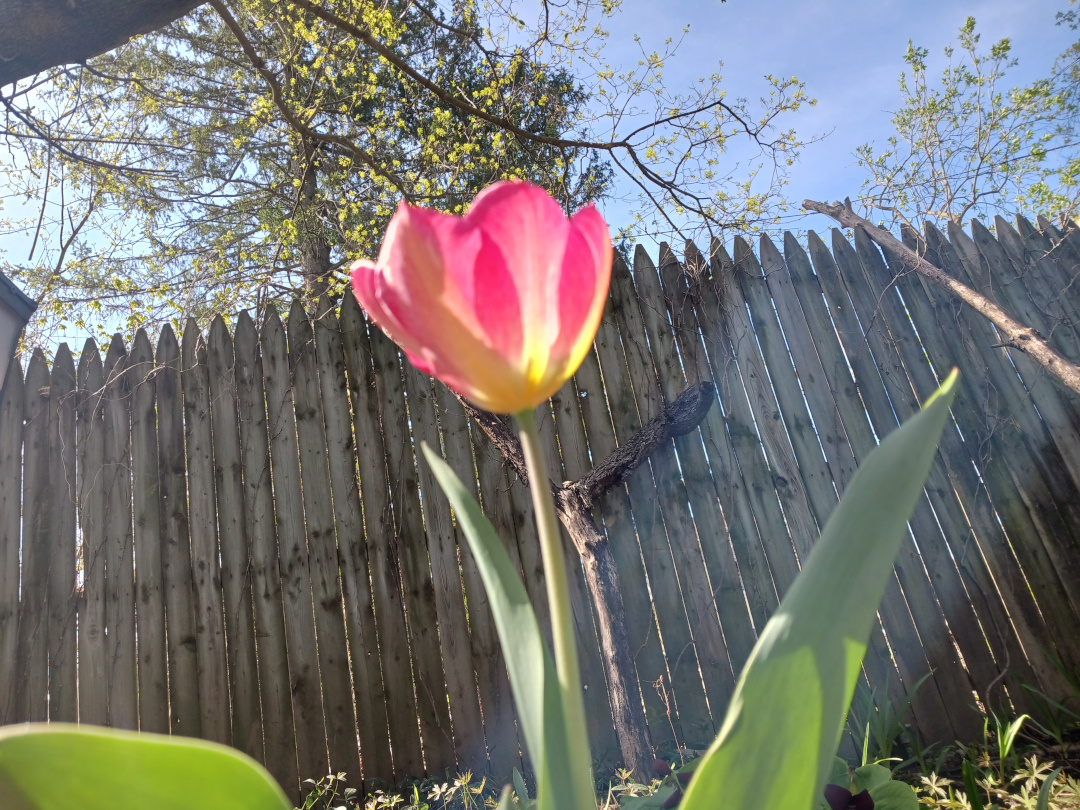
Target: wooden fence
{"points": [[231, 536]]}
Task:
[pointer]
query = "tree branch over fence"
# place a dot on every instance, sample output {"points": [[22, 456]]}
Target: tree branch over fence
{"points": [[1015, 334]]}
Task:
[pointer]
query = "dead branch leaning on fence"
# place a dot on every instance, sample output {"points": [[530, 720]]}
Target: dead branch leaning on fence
{"points": [[574, 501], [1014, 333]]}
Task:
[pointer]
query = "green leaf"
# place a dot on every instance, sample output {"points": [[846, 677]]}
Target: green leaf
{"points": [[787, 712], [839, 773], [57, 767], [894, 796], [653, 802], [1043, 802], [971, 786], [522, 792], [869, 777], [529, 665]]}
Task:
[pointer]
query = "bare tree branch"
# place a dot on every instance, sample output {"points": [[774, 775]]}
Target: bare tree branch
{"points": [[1017, 335]]}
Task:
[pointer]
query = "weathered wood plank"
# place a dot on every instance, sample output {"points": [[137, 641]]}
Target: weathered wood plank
{"points": [[878, 666], [971, 548], [419, 590], [719, 532], [119, 543], [493, 685], [93, 664], [206, 572], [664, 552], [446, 577], [381, 542], [185, 712], [311, 754], [899, 624], [11, 441], [63, 605], [150, 599], [32, 687], [279, 736], [370, 695], [697, 489], [247, 732], [322, 548]]}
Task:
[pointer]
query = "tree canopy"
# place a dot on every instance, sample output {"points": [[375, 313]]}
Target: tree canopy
{"points": [[970, 146], [248, 151]]}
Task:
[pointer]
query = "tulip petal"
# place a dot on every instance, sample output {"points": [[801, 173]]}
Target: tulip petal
{"points": [[583, 284], [531, 229]]}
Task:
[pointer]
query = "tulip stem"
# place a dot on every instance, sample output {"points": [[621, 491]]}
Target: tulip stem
{"points": [[562, 619]]}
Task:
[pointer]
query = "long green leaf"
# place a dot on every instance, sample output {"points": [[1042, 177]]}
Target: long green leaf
{"points": [[788, 709], [528, 661], [1043, 802], [59, 767]]}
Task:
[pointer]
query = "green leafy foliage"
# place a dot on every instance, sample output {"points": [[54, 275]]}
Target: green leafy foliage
{"points": [[968, 145], [59, 767], [1035, 786]]}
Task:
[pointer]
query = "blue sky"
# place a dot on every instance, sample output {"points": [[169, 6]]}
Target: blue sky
{"points": [[850, 54]]}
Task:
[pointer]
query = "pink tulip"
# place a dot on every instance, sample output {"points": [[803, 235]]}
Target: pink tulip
{"points": [[501, 304]]}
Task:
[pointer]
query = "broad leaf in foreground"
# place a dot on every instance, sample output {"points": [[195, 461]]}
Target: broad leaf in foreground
{"points": [[59, 767]]}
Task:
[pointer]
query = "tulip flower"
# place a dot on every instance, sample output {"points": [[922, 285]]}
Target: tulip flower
{"points": [[501, 304]]}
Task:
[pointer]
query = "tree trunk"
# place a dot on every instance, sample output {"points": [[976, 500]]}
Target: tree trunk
{"points": [[313, 247], [36, 35]]}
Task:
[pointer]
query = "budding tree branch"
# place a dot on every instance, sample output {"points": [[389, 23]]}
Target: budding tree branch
{"points": [[1016, 335]]}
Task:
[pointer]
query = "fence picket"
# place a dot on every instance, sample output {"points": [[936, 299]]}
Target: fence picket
{"points": [[93, 664], [311, 753], [32, 686], [63, 677], [247, 733], [275, 685], [11, 429], [148, 539], [349, 522], [202, 526]]}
